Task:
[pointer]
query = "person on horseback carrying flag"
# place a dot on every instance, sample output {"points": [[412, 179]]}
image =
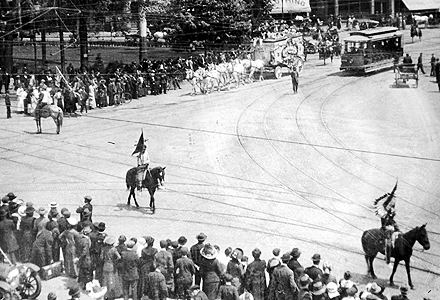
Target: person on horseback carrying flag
{"points": [[385, 209], [143, 162]]}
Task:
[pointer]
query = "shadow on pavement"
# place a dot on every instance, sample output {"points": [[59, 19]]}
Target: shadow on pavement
{"points": [[144, 210]]}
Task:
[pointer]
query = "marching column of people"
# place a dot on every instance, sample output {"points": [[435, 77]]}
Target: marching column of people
{"points": [[133, 268]]}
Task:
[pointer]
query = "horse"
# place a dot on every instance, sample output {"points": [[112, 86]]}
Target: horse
{"points": [[421, 20], [49, 111], [150, 182], [373, 241], [254, 65]]}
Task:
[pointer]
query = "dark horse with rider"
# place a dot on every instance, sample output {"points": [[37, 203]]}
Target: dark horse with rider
{"points": [[389, 240], [142, 176]]}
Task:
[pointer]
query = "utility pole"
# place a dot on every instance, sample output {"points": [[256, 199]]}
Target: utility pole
{"points": [[61, 33], [142, 32]]}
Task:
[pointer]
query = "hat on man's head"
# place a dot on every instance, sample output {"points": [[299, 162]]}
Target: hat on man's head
{"points": [[347, 275], [29, 204], [22, 211], [87, 198], [53, 204], [318, 288], [316, 257], [11, 196], [163, 244], [286, 257], [174, 244], [237, 254], [5, 199], [74, 290], [63, 210], [101, 226], [256, 253], [201, 237], [182, 240], [72, 221], [149, 240], [273, 262], [295, 253], [209, 252]]}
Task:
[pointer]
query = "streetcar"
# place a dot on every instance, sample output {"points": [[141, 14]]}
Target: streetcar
{"points": [[372, 49]]}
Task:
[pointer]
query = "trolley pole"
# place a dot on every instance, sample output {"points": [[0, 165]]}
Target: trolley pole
{"points": [[61, 33]]}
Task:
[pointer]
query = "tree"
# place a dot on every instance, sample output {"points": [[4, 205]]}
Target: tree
{"points": [[210, 20]]}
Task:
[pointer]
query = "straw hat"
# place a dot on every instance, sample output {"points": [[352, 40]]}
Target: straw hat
{"points": [[95, 289], [209, 252]]}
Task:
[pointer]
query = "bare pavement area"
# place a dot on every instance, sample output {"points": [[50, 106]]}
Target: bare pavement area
{"points": [[256, 166]]}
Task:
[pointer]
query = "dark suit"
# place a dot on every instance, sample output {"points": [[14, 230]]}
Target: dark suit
{"points": [[314, 272], [7, 239], [211, 270], [129, 273], [284, 286], [197, 258], [155, 287], [185, 270]]}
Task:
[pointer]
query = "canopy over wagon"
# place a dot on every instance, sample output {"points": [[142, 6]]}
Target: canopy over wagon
{"points": [[280, 53]]}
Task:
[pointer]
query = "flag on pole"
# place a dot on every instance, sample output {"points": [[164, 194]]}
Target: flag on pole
{"points": [[140, 144]]}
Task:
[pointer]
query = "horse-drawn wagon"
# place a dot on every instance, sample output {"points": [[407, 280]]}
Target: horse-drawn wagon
{"points": [[279, 54]]}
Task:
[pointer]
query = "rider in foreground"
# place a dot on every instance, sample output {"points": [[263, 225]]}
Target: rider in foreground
{"points": [[385, 209], [143, 162]]}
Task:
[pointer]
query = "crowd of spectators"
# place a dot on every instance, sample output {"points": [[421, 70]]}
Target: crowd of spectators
{"points": [[110, 267]]}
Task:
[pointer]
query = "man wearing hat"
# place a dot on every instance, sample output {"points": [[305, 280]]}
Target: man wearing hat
{"points": [[129, 274], [294, 264], [184, 269], [27, 234], [42, 247], [304, 285], [197, 294], [196, 256], [88, 205], [68, 240], [85, 270], [8, 241], [85, 220], [236, 269], [177, 253], [256, 277], [403, 294], [164, 262], [62, 221], [314, 271], [283, 286], [75, 292], [97, 237], [228, 291], [147, 258], [41, 217], [53, 211]]}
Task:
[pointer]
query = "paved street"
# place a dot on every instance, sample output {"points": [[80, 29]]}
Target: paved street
{"points": [[253, 167]]}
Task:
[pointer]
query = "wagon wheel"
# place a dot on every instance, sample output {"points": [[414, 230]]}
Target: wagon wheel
{"points": [[277, 72]]}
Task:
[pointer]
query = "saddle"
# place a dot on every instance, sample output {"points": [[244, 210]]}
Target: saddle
{"points": [[44, 112]]}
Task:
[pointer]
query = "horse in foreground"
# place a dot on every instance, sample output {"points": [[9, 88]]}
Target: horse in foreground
{"points": [[150, 182], [49, 111], [373, 242]]}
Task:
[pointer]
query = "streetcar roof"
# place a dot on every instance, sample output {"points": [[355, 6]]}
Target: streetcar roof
{"points": [[375, 31], [356, 39]]}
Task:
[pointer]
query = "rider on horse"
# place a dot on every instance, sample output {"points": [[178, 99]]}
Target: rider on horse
{"points": [[385, 209], [143, 162]]}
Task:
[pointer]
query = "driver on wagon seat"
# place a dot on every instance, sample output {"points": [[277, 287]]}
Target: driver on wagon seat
{"points": [[385, 209]]}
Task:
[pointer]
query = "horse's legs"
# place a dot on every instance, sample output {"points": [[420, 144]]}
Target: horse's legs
{"points": [[131, 192], [396, 263], [367, 260], [371, 259], [134, 198], [152, 206], [408, 272]]}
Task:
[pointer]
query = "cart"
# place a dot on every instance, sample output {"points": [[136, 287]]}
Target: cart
{"points": [[279, 54], [405, 72]]}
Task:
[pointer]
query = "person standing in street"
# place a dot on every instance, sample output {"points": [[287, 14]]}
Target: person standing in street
{"points": [[130, 273], [432, 65], [420, 63], [295, 78], [196, 256], [437, 72], [7, 238], [8, 105]]}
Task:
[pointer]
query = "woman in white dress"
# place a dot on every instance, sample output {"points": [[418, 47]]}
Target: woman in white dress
{"points": [[21, 95], [92, 93]]}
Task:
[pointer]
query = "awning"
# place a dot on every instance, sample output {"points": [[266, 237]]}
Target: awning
{"points": [[413, 5], [290, 6]]}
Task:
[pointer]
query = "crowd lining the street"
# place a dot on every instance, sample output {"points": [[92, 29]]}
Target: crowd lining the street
{"points": [[106, 267]]}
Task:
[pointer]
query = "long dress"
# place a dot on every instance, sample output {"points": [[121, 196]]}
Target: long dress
{"points": [[110, 276], [68, 243], [27, 238], [256, 279], [211, 271], [92, 95], [21, 95]]}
